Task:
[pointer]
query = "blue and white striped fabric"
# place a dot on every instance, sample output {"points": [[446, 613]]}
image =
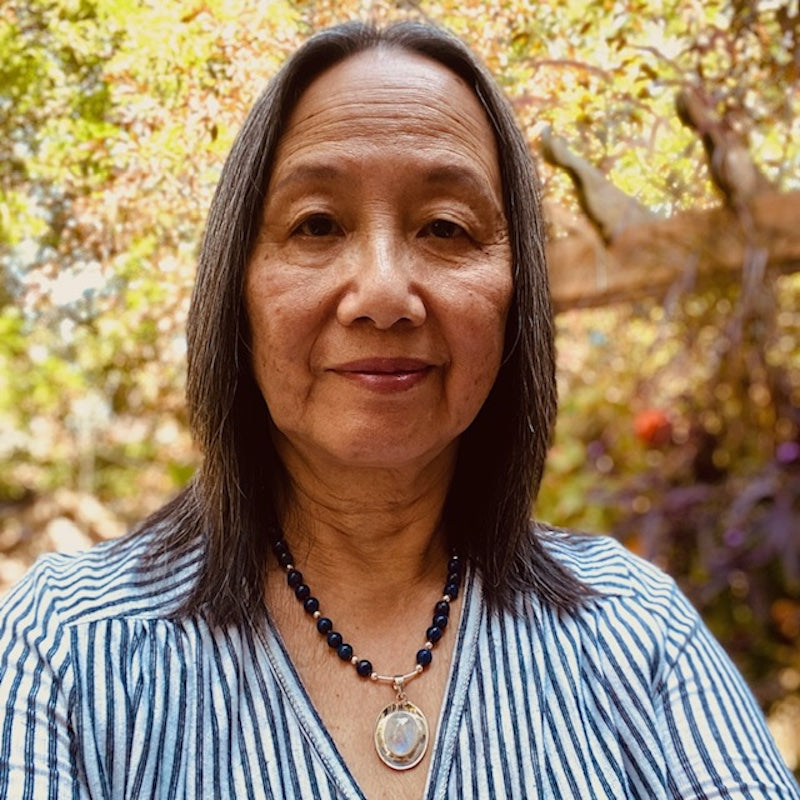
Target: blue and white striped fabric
{"points": [[103, 696]]}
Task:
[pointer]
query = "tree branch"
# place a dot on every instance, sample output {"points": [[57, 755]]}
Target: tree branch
{"points": [[694, 247]]}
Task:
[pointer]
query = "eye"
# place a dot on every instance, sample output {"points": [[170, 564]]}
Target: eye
{"points": [[318, 225], [443, 229]]}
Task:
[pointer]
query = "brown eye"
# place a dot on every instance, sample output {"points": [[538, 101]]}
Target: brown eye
{"points": [[318, 225], [442, 229]]}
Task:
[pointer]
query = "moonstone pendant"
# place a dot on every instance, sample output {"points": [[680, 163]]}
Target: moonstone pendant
{"points": [[401, 735]]}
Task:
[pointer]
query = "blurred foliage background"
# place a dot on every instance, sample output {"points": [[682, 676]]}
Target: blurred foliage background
{"points": [[679, 429]]}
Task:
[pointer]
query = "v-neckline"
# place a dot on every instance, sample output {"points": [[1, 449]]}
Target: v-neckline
{"points": [[452, 708]]}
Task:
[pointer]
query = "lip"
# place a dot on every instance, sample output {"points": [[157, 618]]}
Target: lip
{"points": [[384, 374]]}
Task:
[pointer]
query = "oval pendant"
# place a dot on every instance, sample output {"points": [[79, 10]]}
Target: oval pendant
{"points": [[401, 735]]}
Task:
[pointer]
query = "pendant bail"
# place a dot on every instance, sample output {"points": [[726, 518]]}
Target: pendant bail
{"points": [[398, 686]]}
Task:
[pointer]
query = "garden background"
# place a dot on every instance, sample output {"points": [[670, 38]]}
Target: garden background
{"points": [[679, 429]]}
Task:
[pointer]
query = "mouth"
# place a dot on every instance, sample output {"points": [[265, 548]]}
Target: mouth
{"points": [[385, 374], [384, 366]]}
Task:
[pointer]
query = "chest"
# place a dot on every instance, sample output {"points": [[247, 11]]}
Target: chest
{"points": [[189, 714], [349, 709], [371, 722]]}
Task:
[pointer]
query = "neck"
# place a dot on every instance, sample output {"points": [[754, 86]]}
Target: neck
{"points": [[369, 532]]}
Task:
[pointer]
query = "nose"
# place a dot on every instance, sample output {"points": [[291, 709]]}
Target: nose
{"points": [[380, 287]]}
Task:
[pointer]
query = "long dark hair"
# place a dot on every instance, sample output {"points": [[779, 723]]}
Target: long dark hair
{"points": [[229, 508]]}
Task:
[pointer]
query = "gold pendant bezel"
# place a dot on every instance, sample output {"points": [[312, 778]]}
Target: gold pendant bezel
{"points": [[385, 753]]}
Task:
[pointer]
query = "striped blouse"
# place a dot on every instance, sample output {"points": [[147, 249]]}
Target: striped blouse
{"points": [[104, 695]]}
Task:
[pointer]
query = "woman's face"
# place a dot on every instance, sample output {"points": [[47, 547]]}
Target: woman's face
{"points": [[378, 288]]}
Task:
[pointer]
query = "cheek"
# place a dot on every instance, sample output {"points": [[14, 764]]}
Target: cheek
{"points": [[479, 338], [286, 311], [490, 305], [268, 317]]}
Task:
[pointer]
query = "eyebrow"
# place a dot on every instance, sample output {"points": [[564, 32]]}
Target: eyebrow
{"points": [[464, 178], [308, 173], [453, 173], [437, 175]]}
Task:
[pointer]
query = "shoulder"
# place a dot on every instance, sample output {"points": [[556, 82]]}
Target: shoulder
{"points": [[605, 565], [632, 629], [111, 580], [631, 593]]}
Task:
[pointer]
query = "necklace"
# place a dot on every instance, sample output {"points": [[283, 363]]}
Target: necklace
{"points": [[401, 730]]}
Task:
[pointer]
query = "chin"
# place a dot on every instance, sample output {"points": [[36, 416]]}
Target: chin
{"points": [[344, 447], [372, 451], [386, 457]]}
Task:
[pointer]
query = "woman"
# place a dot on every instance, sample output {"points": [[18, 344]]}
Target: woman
{"points": [[371, 380]]}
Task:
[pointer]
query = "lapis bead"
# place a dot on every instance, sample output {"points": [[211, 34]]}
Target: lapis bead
{"points": [[364, 668], [433, 634], [302, 592], [284, 559], [454, 564], [451, 590], [279, 546], [454, 577], [334, 639], [294, 577], [311, 605], [324, 625], [345, 652], [442, 607], [424, 657], [440, 621]]}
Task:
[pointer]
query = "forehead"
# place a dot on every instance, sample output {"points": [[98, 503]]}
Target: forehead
{"points": [[394, 100]]}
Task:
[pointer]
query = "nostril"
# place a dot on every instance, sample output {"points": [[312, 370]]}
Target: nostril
{"points": [[382, 304]]}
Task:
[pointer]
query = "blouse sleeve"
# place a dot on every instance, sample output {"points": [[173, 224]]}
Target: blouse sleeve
{"points": [[714, 734], [35, 733]]}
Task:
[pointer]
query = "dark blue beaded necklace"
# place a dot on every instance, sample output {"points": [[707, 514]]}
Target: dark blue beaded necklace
{"points": [[401, 732], [441, 611]]}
